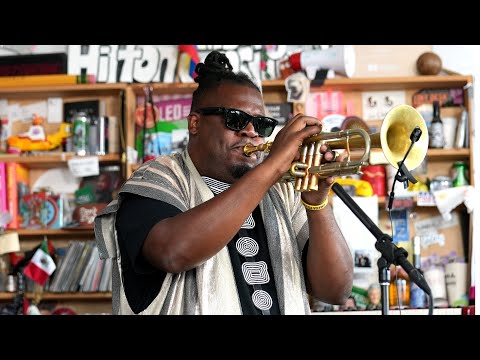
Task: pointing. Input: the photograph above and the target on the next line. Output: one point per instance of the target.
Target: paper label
(84, 166)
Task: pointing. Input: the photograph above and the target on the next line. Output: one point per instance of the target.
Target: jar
(440, 183)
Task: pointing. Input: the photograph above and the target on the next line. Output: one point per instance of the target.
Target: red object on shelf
(468, 310)
(375, 175)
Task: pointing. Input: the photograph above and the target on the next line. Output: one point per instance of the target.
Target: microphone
(403, 175)
(415, 135)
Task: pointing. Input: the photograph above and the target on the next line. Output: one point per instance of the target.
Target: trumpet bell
(394, 139)
(396, 128)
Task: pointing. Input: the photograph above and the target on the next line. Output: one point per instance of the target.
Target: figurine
(374, 297)
(35, 138)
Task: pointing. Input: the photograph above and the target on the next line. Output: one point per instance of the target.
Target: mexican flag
(41, 266)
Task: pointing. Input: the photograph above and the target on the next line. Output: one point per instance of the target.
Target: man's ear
(193, 123)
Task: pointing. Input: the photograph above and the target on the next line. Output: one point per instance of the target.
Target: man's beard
(239, 170)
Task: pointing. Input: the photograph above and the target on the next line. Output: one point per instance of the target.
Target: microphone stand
(391, 254)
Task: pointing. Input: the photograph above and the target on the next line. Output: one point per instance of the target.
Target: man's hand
(287, 144)
(318, 197)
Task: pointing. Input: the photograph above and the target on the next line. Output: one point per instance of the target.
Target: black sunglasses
(237, 120)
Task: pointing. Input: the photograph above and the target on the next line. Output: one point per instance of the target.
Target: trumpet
(393, 139)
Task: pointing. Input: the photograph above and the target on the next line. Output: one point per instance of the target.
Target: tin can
(375, 175)
(81, 130)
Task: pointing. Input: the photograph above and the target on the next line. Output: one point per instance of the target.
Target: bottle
(459, 175)
(401, 285)
(435, 131)
(418, 298)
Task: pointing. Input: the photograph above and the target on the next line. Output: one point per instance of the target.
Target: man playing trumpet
(213, 231)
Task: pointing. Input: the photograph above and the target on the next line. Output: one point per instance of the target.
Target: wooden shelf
(383, 83)
(448, 154)
(63, 296)
(53, 232)
(54, 159)
(167, 88)
(397, 83)
(54, 90)
(176, 88)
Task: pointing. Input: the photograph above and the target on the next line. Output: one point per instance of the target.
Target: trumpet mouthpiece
(249, 149)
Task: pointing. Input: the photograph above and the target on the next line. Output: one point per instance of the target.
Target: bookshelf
(111, 97)
(120, 101)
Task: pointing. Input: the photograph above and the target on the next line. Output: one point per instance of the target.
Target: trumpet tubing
(393, 139)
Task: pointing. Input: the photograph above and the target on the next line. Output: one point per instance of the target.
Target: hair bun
(216, 64)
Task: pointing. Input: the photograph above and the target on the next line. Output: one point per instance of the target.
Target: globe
(429, 63)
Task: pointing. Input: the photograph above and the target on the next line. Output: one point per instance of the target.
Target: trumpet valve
(317, 159)
(296, 169)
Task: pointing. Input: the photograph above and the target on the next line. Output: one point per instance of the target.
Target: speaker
(339, 58)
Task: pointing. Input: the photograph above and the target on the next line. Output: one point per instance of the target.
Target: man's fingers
(331, 156)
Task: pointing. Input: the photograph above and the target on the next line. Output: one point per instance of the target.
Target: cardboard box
(387, 60)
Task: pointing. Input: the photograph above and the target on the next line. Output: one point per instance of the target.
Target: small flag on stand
(41, 266)
(188, 57)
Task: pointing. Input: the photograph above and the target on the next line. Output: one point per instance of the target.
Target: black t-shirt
(253, 274)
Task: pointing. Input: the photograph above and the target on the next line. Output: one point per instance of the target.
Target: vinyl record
(59, 179)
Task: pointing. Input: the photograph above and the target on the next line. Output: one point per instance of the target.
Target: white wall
(465, 59)
(46, 49)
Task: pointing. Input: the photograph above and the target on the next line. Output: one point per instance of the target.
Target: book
(171, 113)
(90, 270)
(3, 188)
(446, 97)
(30, 210)
(105, 185)
(63, 257)
(17, 187)
(279, 111)
(79, 267)
(38, 80)
(87, 275)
